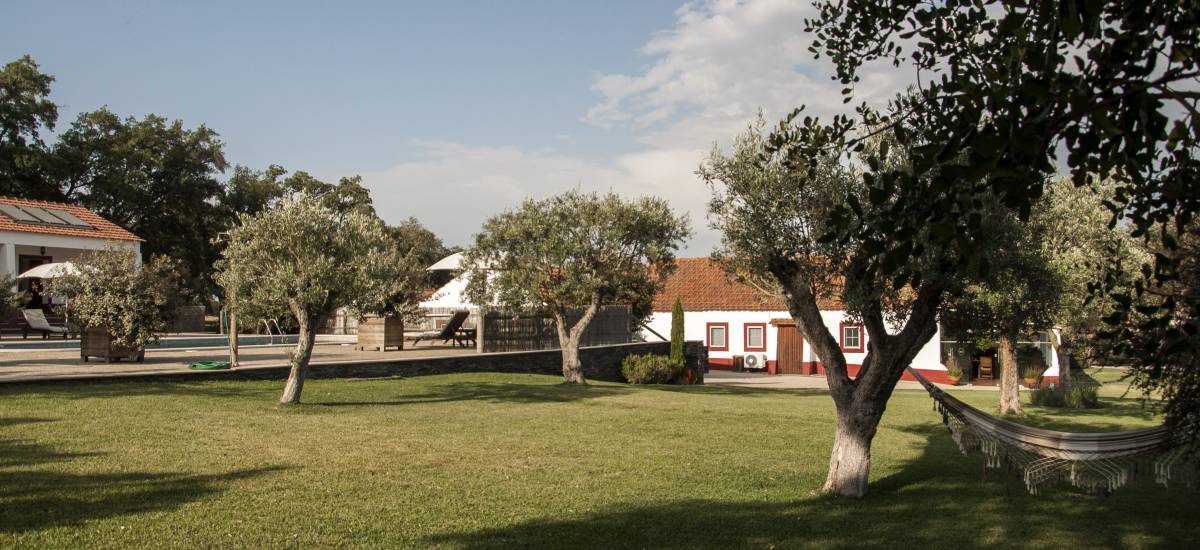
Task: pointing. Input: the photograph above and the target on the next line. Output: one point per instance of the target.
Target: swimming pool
(173, 342)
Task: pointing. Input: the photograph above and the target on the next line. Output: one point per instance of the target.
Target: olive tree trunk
(1010, 376)
(850, 460)
(298, 359)
(860, 401)
(568, 340)
(1062, 350)
(233, 340)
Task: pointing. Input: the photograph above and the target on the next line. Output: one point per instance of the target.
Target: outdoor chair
(985, 369)
(448, 333)
(38, 323)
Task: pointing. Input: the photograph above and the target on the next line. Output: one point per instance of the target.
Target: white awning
(452, 262)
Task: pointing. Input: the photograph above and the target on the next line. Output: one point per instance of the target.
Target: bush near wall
(650, 369)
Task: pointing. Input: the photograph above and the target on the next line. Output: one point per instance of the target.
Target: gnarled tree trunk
(860, 401)
(1010, 376)
(850, 461)
(298, 359)
(568, 340)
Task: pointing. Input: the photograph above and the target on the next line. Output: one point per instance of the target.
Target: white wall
(695, 327)
(696, 322)
(59, 247)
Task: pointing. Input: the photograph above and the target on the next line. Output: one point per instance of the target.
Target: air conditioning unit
(756, 361)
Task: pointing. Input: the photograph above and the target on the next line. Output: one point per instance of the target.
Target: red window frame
(842, 337)
(708, 336)
(746, 336)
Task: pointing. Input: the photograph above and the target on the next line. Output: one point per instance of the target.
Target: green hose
(209, 365)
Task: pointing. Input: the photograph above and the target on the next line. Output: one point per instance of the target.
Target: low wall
(599, 363)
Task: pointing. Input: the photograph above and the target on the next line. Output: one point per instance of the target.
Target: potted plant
(120, 305)
(380, 332)
(1031, 376)
(381, 324)
(953, 375)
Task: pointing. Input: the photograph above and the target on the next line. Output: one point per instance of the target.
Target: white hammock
(1095, 462)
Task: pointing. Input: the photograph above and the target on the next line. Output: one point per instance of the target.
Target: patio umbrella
(50, 271)
(452, 262)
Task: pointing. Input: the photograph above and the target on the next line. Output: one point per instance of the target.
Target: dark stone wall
(599, 363)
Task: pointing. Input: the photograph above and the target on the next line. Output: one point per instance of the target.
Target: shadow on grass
(516, 392)
(495, 392)
(35, 499)
(935, 501)
(87, 389)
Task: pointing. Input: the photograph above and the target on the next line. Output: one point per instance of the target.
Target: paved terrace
(26, 365)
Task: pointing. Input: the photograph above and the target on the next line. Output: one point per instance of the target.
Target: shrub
(111, 291)
(1081, 396)
(650, 369)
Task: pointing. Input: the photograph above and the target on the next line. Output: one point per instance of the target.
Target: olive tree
(306, 259)
(1021, 291)
(574, 251)
(775, 218)
(1011, 91)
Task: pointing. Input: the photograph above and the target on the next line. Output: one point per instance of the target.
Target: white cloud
(708, 76)
(453, 188)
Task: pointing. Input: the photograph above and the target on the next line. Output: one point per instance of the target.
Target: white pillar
(9, 258)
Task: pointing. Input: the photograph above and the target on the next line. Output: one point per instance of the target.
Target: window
(756, 336)
(852, 337)
(718, 336)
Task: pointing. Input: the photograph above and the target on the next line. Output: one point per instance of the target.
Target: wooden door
(790, 357)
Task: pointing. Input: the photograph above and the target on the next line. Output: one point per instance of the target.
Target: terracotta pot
(1031, 382)
(953, 380)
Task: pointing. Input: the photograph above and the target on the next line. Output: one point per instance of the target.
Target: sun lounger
(38, 323)
(448, 332)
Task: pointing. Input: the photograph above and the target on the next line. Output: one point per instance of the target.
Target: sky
(450, 111)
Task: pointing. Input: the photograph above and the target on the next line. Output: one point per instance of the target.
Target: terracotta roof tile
(702, 285)
(101, 228)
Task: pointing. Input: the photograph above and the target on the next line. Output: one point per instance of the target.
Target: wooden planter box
(96, 342)
(380, 333)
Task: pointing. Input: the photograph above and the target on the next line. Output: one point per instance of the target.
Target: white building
(738, 320)
(33, 233)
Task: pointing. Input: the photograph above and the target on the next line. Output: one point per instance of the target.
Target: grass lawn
(502, 461)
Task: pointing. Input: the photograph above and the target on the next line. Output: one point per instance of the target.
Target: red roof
(702, 285)
(100, 227)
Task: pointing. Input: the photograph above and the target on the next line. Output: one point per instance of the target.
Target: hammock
(1094, 462)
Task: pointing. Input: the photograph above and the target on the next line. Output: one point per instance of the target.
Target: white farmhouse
(738, 320)
(33, 233)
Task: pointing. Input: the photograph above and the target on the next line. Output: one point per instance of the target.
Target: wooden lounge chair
(38, 323)
(449, 333)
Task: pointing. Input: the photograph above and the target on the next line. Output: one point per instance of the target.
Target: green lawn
(501, 461)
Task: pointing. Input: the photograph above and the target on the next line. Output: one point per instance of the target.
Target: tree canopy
(1006, 93)
(574, 251)
(152, 176)
(25, 110)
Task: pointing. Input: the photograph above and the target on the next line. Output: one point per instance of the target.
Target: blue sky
(451, 111)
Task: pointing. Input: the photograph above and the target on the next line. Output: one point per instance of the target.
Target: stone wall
(599, 363)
